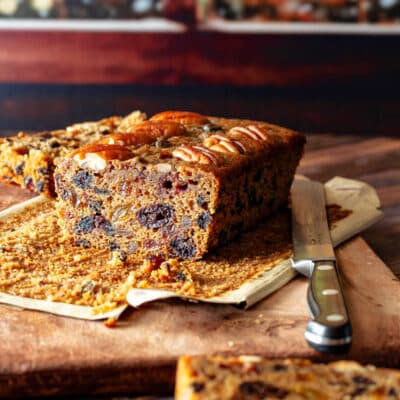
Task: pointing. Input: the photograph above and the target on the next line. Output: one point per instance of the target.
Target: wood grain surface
(42, 354)
(197, 57)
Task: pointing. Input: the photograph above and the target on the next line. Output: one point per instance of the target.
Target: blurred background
(315, 66)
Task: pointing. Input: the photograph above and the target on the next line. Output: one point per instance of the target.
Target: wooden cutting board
(43, 354)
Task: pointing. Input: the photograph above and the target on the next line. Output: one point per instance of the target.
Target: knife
(330, 329)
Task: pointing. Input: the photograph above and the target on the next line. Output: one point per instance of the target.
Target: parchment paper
(352, 195)
(68, 310)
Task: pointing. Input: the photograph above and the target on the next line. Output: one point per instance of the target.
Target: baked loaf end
(27, 160)
(176, 185)
(253, 377)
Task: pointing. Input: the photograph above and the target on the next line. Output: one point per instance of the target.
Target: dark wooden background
(314, 83)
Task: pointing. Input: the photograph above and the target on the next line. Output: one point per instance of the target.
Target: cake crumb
(110, 323)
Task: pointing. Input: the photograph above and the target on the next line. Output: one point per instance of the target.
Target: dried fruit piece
(95, 156)
(152, 263)
(83, 180)
(251, 131)
(156, 215)
(39, 186)
(104, 224)
(262, 390)
(183, 247)
(203, 220)
(29, 184)
(184, 117)
(95, 206)
(19, 169)
(194, 154)
(197, 386)
(223, 144)
(85, 225)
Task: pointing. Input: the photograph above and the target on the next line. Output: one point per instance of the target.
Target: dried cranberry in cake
(154, 262)
(29, 184)
(183, 117)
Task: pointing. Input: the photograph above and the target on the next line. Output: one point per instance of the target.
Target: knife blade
(329, 329)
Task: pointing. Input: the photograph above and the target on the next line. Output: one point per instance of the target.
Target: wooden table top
(373, 159)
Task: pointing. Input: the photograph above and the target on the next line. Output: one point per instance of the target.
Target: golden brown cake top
(182, 137)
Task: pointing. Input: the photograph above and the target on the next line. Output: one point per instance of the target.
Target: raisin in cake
(252, 377)
(176, 185)
(28, 159)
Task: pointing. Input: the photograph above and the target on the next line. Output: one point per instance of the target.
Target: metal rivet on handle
(325, 267)
(329, 292)
(334, 317)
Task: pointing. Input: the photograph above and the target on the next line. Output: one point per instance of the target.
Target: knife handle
(330, 329)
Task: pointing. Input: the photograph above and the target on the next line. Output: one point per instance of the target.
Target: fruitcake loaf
(28, 159)
(252, 377)
(176, 185)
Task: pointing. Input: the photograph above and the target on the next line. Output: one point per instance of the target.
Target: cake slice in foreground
(27, 160)
(252, 377)
(177, 185)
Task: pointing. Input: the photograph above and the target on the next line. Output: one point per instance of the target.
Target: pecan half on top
(252, 131)
(195, 154)
(184, 117)
(95, 156)
(145, 133)
(223, 144)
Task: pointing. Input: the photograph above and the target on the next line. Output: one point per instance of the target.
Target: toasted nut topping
(194, 154)
(145, 133)
(251, 131)
(223, 144)
(105, 125)
(130, 120)
(184, 117)
(95, 156)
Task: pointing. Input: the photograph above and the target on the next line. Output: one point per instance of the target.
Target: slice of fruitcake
(28, 159)
(176, 185)
(253, 378)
